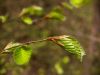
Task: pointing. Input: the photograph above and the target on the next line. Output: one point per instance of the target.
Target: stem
(22, 44)
(30, 42)
(26, 43)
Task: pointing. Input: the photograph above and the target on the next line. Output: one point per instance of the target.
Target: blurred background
(48, 58)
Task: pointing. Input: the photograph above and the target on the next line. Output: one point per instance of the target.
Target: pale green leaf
(79, 3)
(27, 20)
(71, 45)
(56, 14)
(32, 10)
(59, 68)
(3, 18)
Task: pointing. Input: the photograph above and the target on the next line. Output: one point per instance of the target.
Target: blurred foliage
(56, 14)
(27, 20)
(67, 6)
(22, 52)
(3, 18)
(48, 58)
(60, 63)
(32, 10)
(79, 3)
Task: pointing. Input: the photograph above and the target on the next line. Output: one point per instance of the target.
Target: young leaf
(59, 68)
(76, 3)
(70, 44)
(79, 3)
(56, 14)
(27, 20)
(3, 18)
(32, 10)
(22, 55)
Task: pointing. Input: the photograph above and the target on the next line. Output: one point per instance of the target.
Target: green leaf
(27, 20)
(3, 18)
(79, 3)
(76, 3)
(37, 10)
(56, 15)
(59, 68)
(32, 10)
(22, 55)
(71, 45)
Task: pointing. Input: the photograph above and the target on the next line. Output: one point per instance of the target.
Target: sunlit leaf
(22, 55)
(27, 20)
(76, 3)
(79, 3)
(71, 45)
(3, 18)
(37, 10)
(56, 15)
(59, 68)
(32, 10)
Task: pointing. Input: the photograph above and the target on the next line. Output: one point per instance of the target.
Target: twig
(27, 43)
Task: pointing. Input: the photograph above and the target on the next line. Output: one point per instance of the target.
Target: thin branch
(30, 42)
(22, 44)
(26, 43)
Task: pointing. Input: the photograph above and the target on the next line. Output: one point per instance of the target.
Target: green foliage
(71, 45)
(3, 18)
(79, 3)
(27, 20)
(32, 10)
(22, 55)
(59, 65)
(22, 52)
(59, 68)
(56, 14)
(15, 29)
